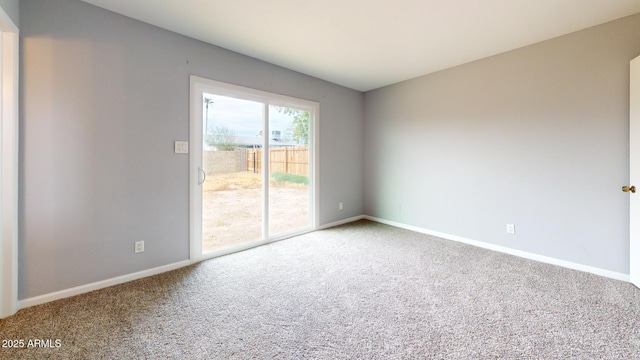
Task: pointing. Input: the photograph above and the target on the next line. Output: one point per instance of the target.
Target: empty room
(319, 179)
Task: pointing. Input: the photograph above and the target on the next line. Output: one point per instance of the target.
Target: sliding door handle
(204, 176)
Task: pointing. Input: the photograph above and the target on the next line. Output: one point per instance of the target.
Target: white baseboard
(342, 222)
(523, 254)
(37, 300)
(41, 299)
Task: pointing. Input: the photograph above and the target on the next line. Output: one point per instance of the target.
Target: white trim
(195, 162)
(342, 222)
(314, 173)
(634, 170)
(158, 270)
(37, 300)
(523, 254)
(9, 166)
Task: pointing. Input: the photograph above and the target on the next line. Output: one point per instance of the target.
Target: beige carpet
(359, 291)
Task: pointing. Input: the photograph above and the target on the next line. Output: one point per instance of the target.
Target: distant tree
(207, 101)
(223, 138)
(299, 130)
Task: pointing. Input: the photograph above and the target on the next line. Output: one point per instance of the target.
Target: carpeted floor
(359, 291)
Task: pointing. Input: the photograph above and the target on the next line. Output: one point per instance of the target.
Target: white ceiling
(366, 44)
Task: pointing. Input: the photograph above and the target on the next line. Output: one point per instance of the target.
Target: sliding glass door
(252, 167)
(231, 195)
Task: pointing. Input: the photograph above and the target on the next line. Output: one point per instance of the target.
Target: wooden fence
(286, 159)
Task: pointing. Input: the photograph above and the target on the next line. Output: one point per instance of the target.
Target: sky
(243, 117)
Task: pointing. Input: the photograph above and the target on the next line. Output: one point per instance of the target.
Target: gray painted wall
(536, 137)
(103, 97)
(12, 8)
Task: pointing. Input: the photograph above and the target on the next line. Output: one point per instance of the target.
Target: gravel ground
(235, 216)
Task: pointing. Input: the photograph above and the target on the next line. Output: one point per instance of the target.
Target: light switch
(181, 147)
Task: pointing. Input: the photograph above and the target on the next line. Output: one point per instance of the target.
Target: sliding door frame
(198, 85)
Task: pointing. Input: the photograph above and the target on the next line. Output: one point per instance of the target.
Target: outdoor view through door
(255, 172)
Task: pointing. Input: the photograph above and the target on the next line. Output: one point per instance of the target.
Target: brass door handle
(627, 189)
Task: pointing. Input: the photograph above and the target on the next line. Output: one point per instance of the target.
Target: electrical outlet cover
(511, 229)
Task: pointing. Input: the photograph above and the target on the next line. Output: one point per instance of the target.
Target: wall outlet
(340, 206)
(511, 229)
(139, 247)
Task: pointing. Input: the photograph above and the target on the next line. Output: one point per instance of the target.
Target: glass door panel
(232, 192)
(289, 195)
